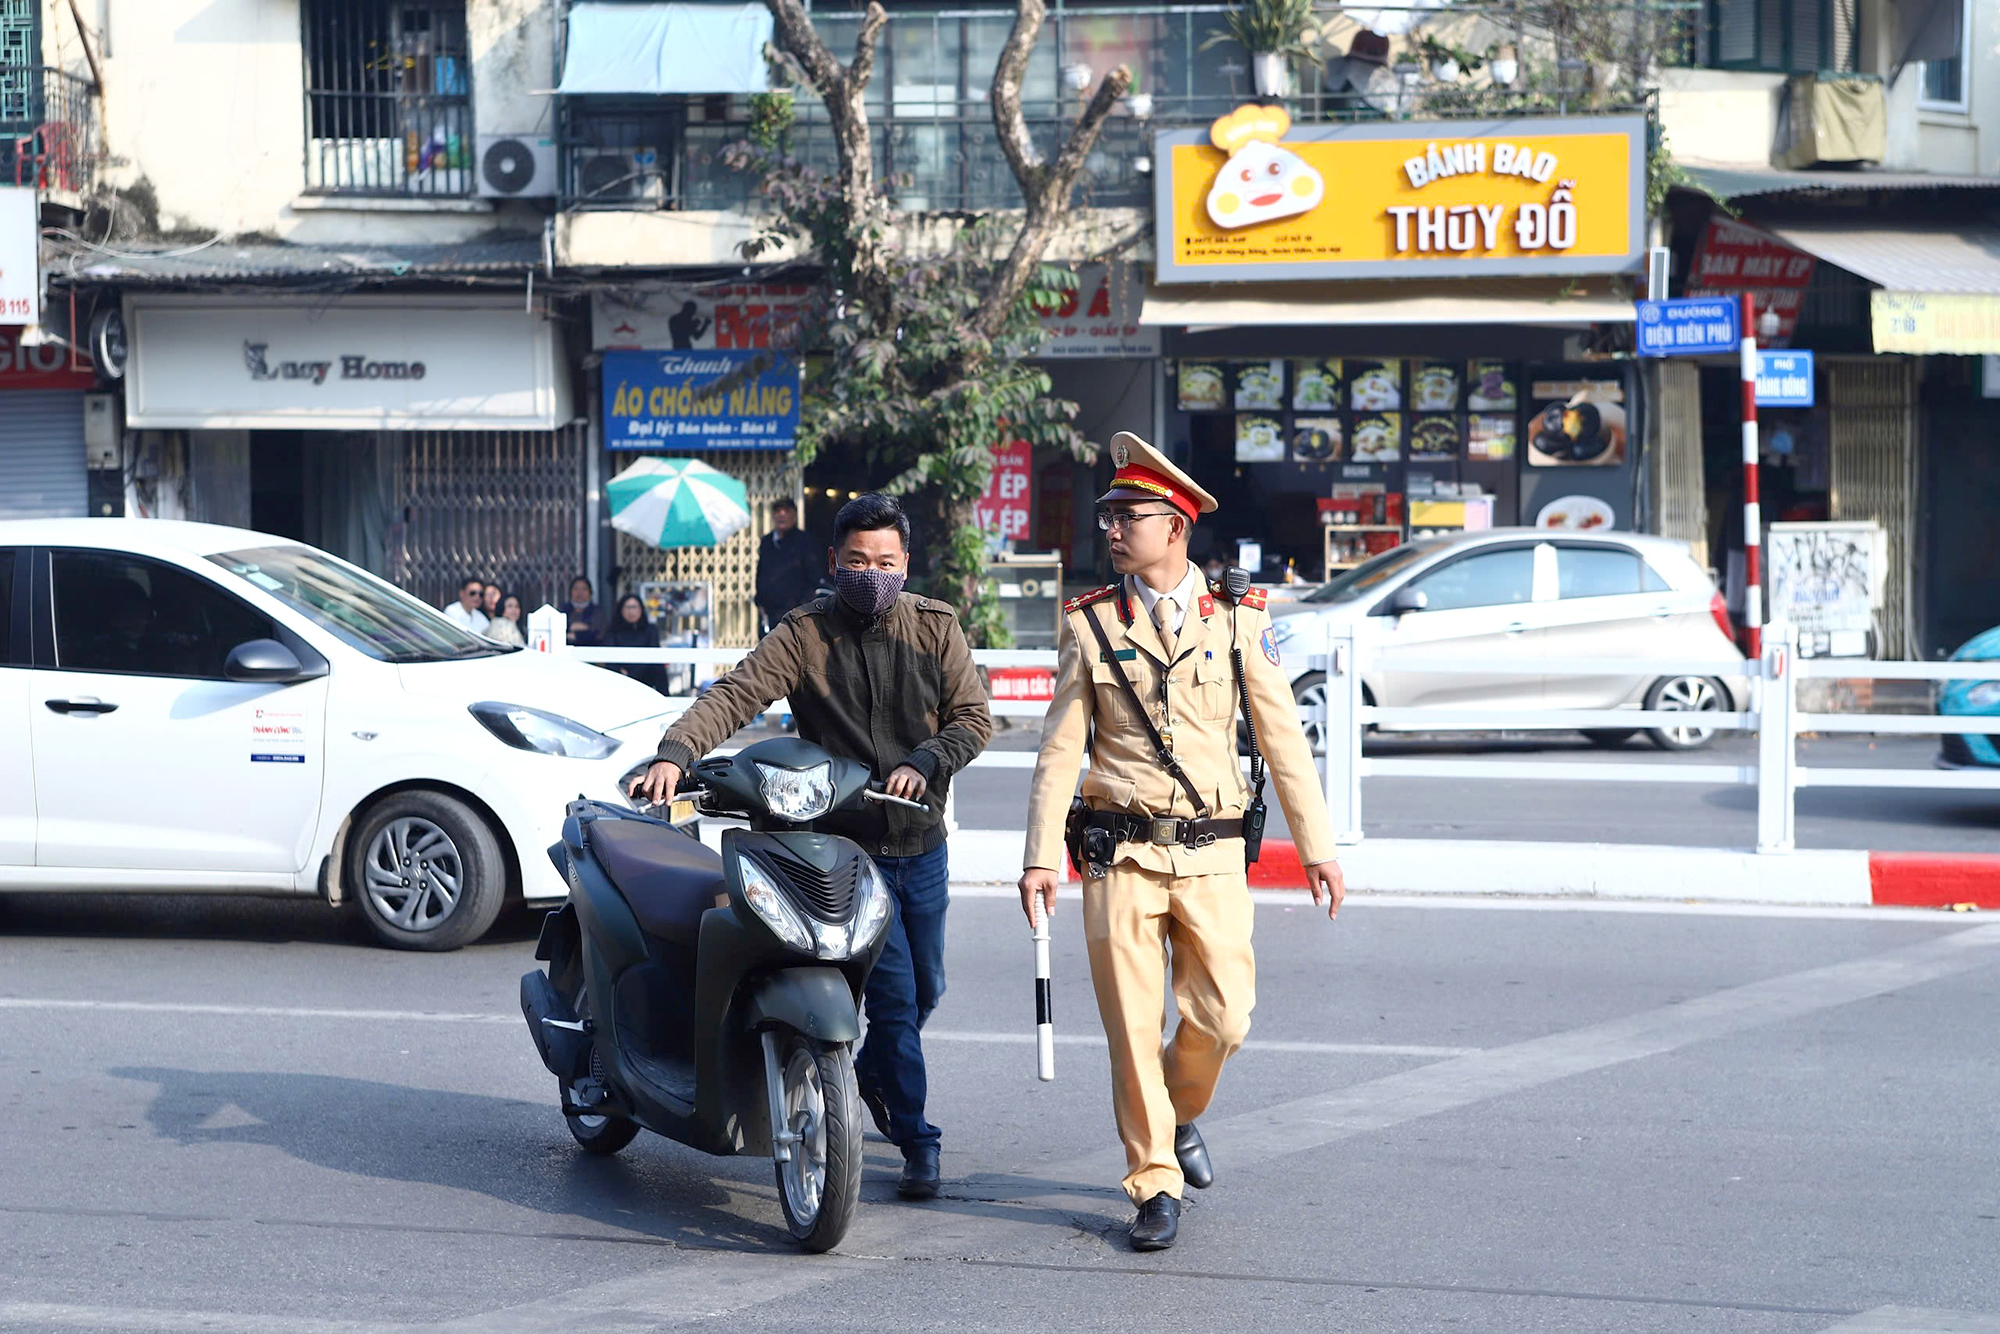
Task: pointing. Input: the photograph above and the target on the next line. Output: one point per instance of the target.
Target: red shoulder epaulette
(1255, 599)
(1083, 600)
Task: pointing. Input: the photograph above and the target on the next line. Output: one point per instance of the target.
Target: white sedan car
(189, 708)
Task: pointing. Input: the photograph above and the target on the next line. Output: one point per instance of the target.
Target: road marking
(448, 1017)
(48, 1315)
(1366, 899)
(1305, 1123)
(1911, 1320)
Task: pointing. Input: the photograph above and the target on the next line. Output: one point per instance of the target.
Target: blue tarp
(645, 48)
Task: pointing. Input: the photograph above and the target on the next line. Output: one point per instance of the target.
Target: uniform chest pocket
(1214, 688)
(1112, 701)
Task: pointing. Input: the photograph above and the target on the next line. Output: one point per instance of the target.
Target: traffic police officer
(1174, 872)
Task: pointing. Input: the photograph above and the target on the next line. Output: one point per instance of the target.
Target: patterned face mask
(869, 593)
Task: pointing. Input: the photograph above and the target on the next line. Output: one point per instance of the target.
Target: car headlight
(769, 904)
(1985, 695)
(871, 915)
(547, 733)
(797, 794)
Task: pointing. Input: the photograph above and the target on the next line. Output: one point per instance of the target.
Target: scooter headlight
(1984, 695)
(871, 915)
(797, 795)
(769, 904)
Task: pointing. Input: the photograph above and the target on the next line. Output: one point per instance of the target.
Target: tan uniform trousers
(1129, 919)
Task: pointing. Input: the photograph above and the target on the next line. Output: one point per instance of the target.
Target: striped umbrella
(678, 503)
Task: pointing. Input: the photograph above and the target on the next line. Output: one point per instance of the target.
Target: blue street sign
(1691, 326)
(1784, 379)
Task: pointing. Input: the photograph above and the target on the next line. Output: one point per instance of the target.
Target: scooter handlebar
(874, 792)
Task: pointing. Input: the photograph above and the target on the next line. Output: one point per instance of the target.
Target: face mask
(868, 593)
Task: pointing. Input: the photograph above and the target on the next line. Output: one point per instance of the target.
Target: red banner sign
(44, 367)
(1733, 257)
(1003, 508)
(1029, 683)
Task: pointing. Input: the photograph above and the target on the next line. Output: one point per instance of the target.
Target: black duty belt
(1164, 831)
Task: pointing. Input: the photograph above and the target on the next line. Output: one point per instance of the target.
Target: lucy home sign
(1785, 380)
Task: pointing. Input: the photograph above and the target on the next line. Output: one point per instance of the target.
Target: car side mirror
(1408, 600)
(264, 660)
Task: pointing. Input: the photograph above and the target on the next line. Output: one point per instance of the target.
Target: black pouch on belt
(1073, 832)
(1253, 830)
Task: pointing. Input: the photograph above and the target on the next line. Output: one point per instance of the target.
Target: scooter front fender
(815, 1001)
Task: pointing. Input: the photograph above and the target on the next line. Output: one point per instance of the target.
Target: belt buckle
(1165, 831)
(1201, 840)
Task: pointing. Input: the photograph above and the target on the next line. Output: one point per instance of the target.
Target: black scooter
(716, 999)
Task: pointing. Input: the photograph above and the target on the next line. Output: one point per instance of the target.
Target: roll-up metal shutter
(41, 455)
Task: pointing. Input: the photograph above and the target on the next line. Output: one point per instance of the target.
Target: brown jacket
(900, 691)
(1124, 775)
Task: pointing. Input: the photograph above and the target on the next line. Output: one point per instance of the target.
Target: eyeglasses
(1110, 519)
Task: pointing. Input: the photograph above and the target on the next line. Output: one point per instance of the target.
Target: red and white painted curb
(1815, 877)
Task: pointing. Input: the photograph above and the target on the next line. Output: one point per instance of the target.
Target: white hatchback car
(1510, 596)
(189, 708)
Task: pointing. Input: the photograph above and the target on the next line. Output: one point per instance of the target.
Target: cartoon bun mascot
(1260, 181)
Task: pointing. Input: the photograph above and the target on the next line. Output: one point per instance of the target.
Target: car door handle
(1518, 627)
(81, 706)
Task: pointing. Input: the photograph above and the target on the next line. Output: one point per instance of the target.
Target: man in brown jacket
(1174, 872)
(884, 677)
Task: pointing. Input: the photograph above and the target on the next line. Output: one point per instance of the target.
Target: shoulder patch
(1268, 641)
(1083, 600)
(1255, 599)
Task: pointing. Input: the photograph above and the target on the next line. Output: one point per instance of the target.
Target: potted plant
(1274, 33)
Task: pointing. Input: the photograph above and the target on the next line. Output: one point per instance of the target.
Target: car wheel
(1611, 738)
(427, 872)
(1309, 692)
(1684, 694)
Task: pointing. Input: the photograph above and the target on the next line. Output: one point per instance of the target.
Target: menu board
(1259, 439)
(1260, 385)
(1317, 439)
(1577, 424)
(1378, 437)
(1316, 386)
(1492, 387)
(1374, 386)
(1200, 386)
(1434, 436)
(1490, 436)
(1434, 386)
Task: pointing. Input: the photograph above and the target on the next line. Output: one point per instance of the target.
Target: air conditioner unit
(616, 176)
(516, 166)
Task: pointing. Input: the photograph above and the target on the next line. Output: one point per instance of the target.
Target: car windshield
(1370, 575)
(377, 618)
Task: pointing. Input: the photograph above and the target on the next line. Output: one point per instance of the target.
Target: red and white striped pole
(1753, 521)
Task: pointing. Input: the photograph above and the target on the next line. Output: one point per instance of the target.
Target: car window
(120, 613)
(7, 606)
(1366, 577)
(1602, 572)
(1490, 579)
(367, 614)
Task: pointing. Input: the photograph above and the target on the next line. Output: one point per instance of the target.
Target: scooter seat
(669, 879)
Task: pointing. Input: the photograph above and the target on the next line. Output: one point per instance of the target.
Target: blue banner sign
(1784, 379)
(668, 400)
(1691, 326)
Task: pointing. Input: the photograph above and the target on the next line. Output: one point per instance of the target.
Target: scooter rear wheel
(821, 1184)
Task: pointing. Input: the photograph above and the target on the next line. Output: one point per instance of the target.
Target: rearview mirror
(1408, 600)
(264, 660)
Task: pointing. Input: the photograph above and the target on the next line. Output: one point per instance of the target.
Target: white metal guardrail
(1774, 715)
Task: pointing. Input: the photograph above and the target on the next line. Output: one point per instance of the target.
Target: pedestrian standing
(884, 677)
(506, 628)
(631, 627)
(788, 565)
(465, 611)
(585, 617)
(489, 601)
(1153, 665)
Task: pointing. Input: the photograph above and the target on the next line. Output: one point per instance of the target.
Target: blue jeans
(905, 987)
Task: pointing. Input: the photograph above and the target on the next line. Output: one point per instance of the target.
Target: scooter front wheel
(602, 1135)
(821, 1183)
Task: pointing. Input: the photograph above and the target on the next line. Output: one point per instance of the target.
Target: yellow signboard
(1257, 198)
(1964, 324)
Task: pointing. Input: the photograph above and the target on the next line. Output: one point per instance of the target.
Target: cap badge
(1121, 454)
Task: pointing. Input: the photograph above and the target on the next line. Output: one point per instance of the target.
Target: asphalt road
(1669, 814)
(238, 1116)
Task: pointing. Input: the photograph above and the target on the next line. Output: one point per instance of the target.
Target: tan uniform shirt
(1200, 707)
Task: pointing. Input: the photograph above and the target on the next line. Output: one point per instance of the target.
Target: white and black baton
(1045, 1017)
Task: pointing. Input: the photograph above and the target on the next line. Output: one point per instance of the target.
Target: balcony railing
(667, 153)
(49, 139)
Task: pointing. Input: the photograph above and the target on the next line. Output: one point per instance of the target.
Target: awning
(1543, 301)
(1741, 180)
(1960, 259)
(645, 49)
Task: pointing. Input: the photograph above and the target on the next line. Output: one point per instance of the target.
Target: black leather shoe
(1193, 1155)
(1159, 1222)
(878, 1110)
(920, 1173)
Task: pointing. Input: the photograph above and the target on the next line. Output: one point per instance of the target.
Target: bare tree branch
(1048, 200)
(797, 38)
(843, 89)
(1016, 145)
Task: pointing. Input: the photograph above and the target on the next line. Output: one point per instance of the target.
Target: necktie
(1163, 617)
